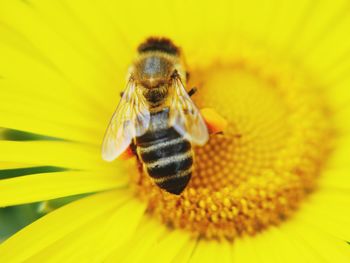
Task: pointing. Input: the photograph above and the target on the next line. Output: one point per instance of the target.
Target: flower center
(257, 172)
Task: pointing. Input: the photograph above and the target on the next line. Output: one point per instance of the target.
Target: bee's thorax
(154, 69)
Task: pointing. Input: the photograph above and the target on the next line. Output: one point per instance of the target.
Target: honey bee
(158, 117)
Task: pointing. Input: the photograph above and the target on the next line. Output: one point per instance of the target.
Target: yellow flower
(274, 187)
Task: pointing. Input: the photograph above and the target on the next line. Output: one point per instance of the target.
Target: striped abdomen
(166, 155)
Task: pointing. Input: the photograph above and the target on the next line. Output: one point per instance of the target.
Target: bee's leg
(216, 123)
(138, 161)
(133, 148)
(192, 91)
(121, 94)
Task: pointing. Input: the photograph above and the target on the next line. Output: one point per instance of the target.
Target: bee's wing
(185, 117)
(130, 119)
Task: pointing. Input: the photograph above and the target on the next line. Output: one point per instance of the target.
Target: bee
(157, 116)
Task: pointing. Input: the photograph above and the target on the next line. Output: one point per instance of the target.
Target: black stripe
(165, 151)
(171, 168)
(175, 185)
(150, 138)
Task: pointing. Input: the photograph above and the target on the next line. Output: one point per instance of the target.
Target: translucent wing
(185, 117)
(130, 119)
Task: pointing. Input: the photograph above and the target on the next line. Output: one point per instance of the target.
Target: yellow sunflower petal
(331, 201)
(28, 123)
(325, 210)
(331, 36)
(44, 80)
(212, 251)
(13, 165)
(58, 224)
(38, 187)
(335, 179)
(151, 25)
(74, 245)
(342, 116)
(242, 251)
(87, 75)
(267, 247)
(49, 114)
(340, 158)
(321, 20)
(55, 153)
(52, 108)
(166, 248)
(96, 238)
(339, 96)
(185, 253)
(61, 19)
(99, 27)
(282, 248)
(275, 28)
(121, 226)
(323, 245)
(146, 234)
(151, 242)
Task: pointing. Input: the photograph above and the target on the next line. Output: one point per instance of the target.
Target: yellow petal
(267, 247)
(212, 251)
(51, 106)
(242, 251)
(151, 241)
(150, 26)
(122, 225)
(49, 115)
(321, 20)
(44, 80)
(27, 123)
(56, 153)
(74, 245)
(133, 250)
(80, 69)
(58, 224)
(322, 245)
(60, 18)
(335, 179)
(167, 247)
(282, 248)
(13, 165)
(325, 210)
(27, 170)
(275, 28)
(185, 253)
(38, 187)
(97, 26)
(331, 36)
(332, 224)
(94, 240)
(340, 157)
(342, 112)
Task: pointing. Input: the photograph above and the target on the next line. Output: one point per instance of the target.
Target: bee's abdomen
(168, 159)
